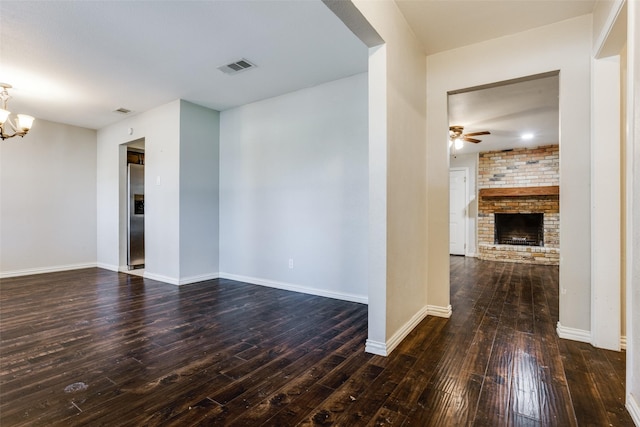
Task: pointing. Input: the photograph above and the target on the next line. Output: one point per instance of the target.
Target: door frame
(123, 199)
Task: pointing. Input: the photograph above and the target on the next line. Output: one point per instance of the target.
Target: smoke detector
(237, 66)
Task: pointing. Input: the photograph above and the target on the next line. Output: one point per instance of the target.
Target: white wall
(181, 170)
(161, 129)
(616, 29)
(199, 176)
(293, 185)
(470, 161)
(565, 46)
(48, 200)
(397, 72)
(608, 174)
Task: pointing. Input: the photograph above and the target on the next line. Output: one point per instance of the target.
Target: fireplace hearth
(521, 229)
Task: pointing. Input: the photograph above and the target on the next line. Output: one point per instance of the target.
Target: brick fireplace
(519, 186)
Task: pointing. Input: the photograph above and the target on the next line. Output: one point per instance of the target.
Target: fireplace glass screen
(519, 229)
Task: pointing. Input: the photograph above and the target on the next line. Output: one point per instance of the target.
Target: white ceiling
(448, 24)
(76, 61)
(508, 111)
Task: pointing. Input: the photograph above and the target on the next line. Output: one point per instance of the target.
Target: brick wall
(536, 167)
(521, 167)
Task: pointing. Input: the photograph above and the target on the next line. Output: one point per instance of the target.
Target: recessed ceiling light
(526, 136)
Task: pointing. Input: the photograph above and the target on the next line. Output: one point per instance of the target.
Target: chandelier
(20, 126)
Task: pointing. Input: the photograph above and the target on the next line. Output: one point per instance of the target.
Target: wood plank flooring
(94, 347)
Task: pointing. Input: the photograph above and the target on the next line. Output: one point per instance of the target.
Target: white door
(457, 211)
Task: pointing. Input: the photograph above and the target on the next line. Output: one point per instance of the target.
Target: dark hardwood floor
(93, 347)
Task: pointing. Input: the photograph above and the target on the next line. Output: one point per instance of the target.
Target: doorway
(508, 138)
(135, 208)
(132, 207)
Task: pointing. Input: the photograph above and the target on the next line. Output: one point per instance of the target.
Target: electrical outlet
(291, 263)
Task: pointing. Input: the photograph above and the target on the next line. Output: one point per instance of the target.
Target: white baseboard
(384, 349)
(181, 281)
(200, 278)
(438, 311)
(161, 278)
(471, 254)
(573, 334)
(42, 270)
(402, 333)
(296, 288)
(109, 267)
(376, 347)
(634, 408)
(582, 335)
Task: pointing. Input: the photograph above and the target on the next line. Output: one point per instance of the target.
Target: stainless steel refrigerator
(135, 241)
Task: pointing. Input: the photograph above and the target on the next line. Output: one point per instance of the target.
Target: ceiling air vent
(122, 111)
(236, 67)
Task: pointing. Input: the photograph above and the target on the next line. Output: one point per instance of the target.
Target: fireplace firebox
(523, 229)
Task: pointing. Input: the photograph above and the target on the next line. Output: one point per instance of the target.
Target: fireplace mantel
(551, 190)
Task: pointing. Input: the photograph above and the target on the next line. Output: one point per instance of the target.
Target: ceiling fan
(456, 133)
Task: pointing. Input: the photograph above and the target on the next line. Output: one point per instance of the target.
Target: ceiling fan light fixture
(527, 136)
(456, 133)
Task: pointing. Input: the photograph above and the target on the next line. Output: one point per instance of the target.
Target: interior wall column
(605, 203)
(633, 210)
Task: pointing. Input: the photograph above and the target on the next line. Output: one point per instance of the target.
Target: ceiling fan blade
(475, 141)
(485, 132)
